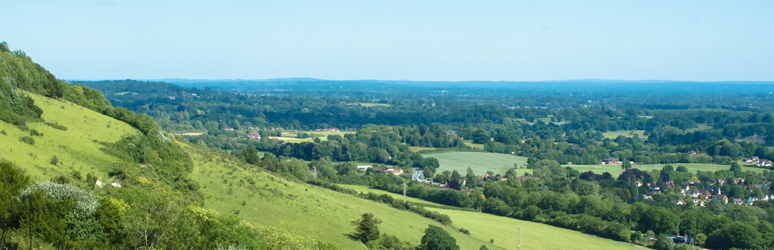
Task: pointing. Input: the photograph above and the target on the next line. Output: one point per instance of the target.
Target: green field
(126, 93)
(616, 170)
(300, 208)
(533, 235)
(470, 143)
(627, 133)
(75, 148)
(480, 162)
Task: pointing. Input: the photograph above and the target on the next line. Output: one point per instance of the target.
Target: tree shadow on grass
(353, 237)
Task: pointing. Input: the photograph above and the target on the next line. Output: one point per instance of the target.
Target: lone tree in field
(366, 227)
(438, 239)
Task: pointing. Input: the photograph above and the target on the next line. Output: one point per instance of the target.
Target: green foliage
(436, 238)
(79, 217)
(662, 243)
(54, 160)
(367, 228)
(738, 235)
(28, 140)
(12, 180)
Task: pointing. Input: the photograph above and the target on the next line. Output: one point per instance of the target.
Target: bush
(56, 126)
(28, 140)
(34, 132)
(54, 160)
(81, 223)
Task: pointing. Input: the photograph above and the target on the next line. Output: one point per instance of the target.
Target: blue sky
(408, 40)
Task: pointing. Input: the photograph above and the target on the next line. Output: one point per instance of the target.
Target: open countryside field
(616, 170)
(75, 148)
(301, 208)
(627, 133)
(533, 235)
(480, 162)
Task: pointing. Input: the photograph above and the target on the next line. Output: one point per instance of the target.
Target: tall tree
(436, 238)
(367, 227)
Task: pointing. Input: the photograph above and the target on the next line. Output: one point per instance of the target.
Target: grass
(126, 93)
(626, 133)
(616, 170)
(75, 148)
(479, 162)
(699, 127)
(473, 145)
(533, 235)
(301, 208)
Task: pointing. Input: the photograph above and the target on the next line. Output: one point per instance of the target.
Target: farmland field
(533, 235)
(300, 208)
(478, 161)
(626, 133)
(616, 170)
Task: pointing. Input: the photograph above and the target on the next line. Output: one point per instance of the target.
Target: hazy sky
(412, 40)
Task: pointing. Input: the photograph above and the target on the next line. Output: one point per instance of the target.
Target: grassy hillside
(298, 207)
(479, 162)
(77, 149)
(533, 235)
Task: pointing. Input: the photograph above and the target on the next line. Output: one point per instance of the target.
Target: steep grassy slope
(301, 208)
(77, 149)
(533, 235)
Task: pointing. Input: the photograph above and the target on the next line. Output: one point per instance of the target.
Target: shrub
(28, 140)
(34, 132)
(54, 160)
(56, 126)
(81, 223)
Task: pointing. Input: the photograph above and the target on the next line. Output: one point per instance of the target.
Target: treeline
(613, 207)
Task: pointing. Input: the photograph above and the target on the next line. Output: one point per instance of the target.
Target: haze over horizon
(416, 41)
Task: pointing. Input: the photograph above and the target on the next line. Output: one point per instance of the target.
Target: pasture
(76, 149)
(626, 133)
(300, 208)
(616, 170)
(533, 235)
(479, 162)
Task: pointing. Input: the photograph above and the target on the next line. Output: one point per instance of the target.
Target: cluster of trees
(67, 215)
(435, 238)
(612, 208)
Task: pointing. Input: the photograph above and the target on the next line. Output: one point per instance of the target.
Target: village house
(753, 159)
(697, 193)
(363, 168)
(679, 202)
(611, 161)
(691, 152)
(228, 128)
(698, 202)
(327, 130)
(254, 136)
(171, 97)
(738, 201)
(721, 197)
(764, 163)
